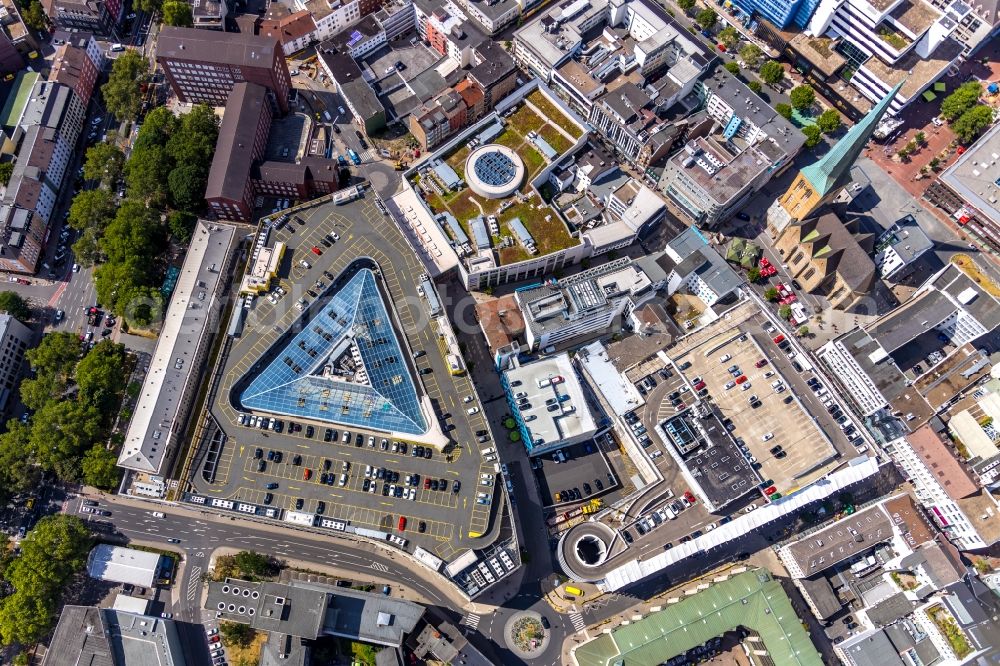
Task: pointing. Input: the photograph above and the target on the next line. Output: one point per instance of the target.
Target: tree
(100, 468)
(123, 91)
(751, 55)
(753, 274)
(813, 135)
(785, 311)
(253, 565)
(729, 36)
(18, 472)
(187, 186)
(920, 138)
(964, 98)
(771, 294)
(34, 17)
(755, 86)
(100, 375)
(732, 68)
(86, 249)
(972, 122)
(135, 232)
(60, 432)
(148, 6)
(236, 634)
(177, 13)
(146, 173)
(193, 140)
(706, 18)
(828, 121)
(181, 225)
(6, 171)
(686, 5)
(772, 73)
(104, 163)
(802, 97)
(803, 331)
(13, 304)
(92, 209)
(55, 355)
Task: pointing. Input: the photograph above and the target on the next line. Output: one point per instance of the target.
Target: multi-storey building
(696, 268)
(202, 66)
(975, 28)
(16, 40)
(492, 16)
(904, 45)
(242, 140)
(101, 17)
(741, 145)
(294, 30)
(310, 176)
(332, 16)
(209, 14)
(14, 340)
(493, 72)
(396, 18)
(784, 14)
(77, 64)
(47, 128)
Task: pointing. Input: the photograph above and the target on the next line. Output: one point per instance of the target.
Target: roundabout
(525, 635)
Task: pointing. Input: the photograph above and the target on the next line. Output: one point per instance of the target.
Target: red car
(427, 484)
(307, 474)
(741, 379)
(316, 250)
(690, 497)
(770, 490)
(699, 386)
(778, 339)
(761, 363)
(402, 523)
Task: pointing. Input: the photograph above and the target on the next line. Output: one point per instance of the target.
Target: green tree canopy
(177, 13)
(104, 163)
(56, 354)
(772, 73)
(187, 186)
(181, 225)
(60, 433)
(34, 17)
(829, 121)
(706, 18)
(729, 36)
(972, 122)
(771, 294)
(135, 232)
(146, 173)
(193, 140)
(100, 468)
(13, 304)
(755, 86)
(802, 97)
(148, 6)
(964, 98)
(813, 135)
(6, 171)
(732, 68)
(18, 472)
(86, 249)
(100, 375)
(784, 110)
(122, 93)
(92, 209)
(751, 55)
(686, 5)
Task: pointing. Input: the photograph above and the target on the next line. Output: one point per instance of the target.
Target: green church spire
(833, 169)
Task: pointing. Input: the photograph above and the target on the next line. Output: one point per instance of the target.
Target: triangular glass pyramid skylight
(346, 366)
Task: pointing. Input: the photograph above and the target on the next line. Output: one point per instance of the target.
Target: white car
(730, 385)
(749, 508)
(768, 436)
(76, 268)
(937, 121)
(725, 358)
(472, 410)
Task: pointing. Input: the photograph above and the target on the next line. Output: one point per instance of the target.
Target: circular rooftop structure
(583, 550)
(494, 171)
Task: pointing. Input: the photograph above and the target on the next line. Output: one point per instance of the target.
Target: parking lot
(584, 475)
(315, 416)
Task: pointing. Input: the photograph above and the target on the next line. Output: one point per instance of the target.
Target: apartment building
(309, 177)
(15, 338)
(100, 17)
(693, 266)
(294, 30)
(46, 131)
(738, 148)
(77, 64)
(16, 40)
(203, 66)
(886, 43)
(332, 16)
(242, 140)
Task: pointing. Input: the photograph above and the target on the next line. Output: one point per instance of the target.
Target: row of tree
(51, 554)
(74, 399)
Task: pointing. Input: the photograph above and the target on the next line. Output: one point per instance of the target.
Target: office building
(784, 14)
(693, 266)
(111, 637)
(294, 30)
(309, 177)
(242, 140)
(14, 340)
(899, 247)
(202, 66)
(736, 149)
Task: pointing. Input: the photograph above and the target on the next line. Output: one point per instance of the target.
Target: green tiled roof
(753, 600)
(18, 98)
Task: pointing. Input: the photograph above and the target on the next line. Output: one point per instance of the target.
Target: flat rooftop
(845, 539)
(620, 393)
(108, 637)
(718, 466)
(915, 72)
(974, 180)
(915, 15)
(571, 416)
(193, 308)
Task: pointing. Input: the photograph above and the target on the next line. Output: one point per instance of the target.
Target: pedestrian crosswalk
(378, 566)
(471, 620)
(578, 622)
(194, 583)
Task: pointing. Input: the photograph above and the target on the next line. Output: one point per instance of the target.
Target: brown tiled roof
(951, 474)
(500, 330)
(470, 92)
(288, 28)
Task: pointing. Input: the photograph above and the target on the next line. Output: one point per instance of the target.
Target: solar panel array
(382, 396)
(495, 168)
